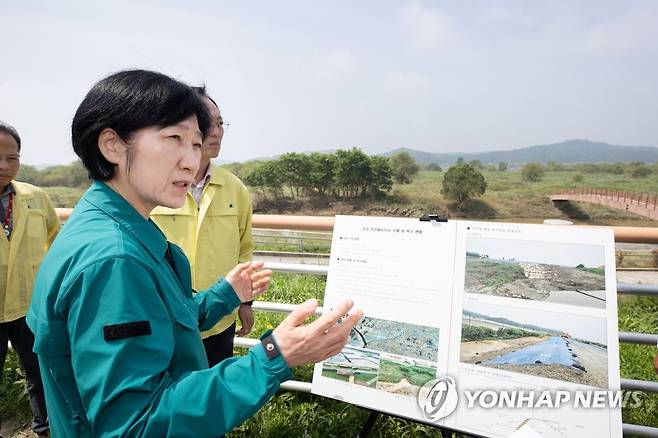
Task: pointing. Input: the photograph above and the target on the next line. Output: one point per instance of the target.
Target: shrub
(462, 182)
(532, 172)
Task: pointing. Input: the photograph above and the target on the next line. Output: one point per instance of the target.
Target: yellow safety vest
(35, 225)
(214, 234)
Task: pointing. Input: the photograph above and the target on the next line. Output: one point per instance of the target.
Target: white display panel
(495, 307)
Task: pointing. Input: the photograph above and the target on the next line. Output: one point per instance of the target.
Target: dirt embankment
(478, 351)
(558, 372)
(403, 387)
(595, 362)
(325, 207)
(553, 278)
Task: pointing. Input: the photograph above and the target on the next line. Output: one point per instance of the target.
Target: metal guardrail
(326, 223)
(626, 337)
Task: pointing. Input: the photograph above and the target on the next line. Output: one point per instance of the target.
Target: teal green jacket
(117, 334)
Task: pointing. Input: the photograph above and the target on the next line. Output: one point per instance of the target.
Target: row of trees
(65, 175)
(533, 172)
(343, 174)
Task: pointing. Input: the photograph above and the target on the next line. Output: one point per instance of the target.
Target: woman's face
(159, 166)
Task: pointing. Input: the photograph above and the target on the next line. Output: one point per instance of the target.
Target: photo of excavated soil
(545, 344)
(541, 271)
(403, 377)
(399, 338)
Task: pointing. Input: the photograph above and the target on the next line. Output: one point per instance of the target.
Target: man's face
(213, 142)
(9, 159)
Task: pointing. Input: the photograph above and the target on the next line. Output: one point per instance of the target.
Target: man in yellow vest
(29, 225)
(213, 227)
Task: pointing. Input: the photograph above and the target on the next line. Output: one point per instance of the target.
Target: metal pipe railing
(638, 430)
(637, 289)
(638, 338)
(326, 223)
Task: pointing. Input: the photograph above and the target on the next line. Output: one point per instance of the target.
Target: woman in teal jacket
(115, 321)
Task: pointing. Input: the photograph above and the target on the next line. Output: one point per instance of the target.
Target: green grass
(394, 372)
(639, 314)
(65, 197)
(477, 333)
(493, 274)
(507, 196)
(13, 399)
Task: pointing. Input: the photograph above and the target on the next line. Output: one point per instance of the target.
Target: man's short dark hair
(4, 127)
(202, 92)
(126, 102)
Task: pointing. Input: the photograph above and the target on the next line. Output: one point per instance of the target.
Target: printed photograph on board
(541, 271)
(540, 343)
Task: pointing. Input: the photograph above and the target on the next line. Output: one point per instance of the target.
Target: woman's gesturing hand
(249, 280)
(326, 336)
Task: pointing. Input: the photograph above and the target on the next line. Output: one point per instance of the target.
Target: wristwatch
(269, 345)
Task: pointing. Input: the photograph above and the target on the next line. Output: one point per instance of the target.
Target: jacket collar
(101, 196)
(217, 176)
(20, 191)
(8, 189)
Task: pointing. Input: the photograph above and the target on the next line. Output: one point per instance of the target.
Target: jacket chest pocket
(36, 225)
(36, 236)
(188, 348)
(223, 227)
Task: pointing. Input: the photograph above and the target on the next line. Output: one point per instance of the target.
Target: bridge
(640, 203)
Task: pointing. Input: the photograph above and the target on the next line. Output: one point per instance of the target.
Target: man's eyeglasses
(221, 124)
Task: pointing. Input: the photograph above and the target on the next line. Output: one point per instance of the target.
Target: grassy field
(507, 196)
(394, 372)
(490, 273)
(478, 333)
(64, 196)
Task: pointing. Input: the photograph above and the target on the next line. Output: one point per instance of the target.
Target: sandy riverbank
(477, 351)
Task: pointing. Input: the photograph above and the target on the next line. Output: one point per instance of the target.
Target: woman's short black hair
(4, 127)
(126, 102)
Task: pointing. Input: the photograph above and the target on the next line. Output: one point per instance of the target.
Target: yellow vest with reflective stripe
(214, 234)
(35, 225)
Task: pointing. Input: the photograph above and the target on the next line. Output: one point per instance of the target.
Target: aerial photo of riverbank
(541, 271)
(541, 343)
(412, 340)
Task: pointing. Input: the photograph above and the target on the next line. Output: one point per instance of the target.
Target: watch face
(270, 347)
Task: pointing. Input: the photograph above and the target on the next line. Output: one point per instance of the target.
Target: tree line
(64, 175)
(342, 174)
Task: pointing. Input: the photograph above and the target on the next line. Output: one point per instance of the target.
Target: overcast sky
(438, 76)
(552, 253)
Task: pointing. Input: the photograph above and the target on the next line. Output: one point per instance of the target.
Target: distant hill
(570, 151)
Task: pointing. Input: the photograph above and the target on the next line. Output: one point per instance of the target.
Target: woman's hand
(249, 280)
(325, 337)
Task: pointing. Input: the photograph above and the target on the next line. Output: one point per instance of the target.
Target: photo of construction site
(541, 343)
(403, 376)
(398, 338)
(353, 365)
(542, 271)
